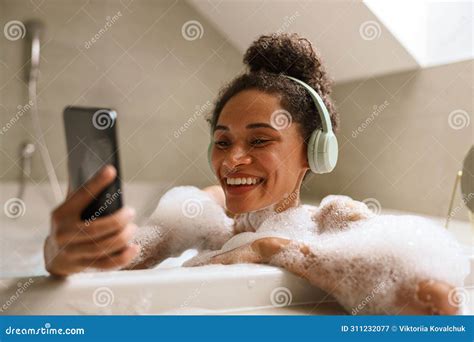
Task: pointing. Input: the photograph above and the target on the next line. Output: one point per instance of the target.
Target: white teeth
(243, 181)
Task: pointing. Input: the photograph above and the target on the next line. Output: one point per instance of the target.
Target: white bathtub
(25, 287)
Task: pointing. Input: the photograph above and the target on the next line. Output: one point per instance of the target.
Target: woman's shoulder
(217, 193)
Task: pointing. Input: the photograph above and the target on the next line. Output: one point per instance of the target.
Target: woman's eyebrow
(249, 126)
(260, 125)
(224, 128)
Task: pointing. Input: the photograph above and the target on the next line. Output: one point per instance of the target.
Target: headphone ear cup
(322, 151)
(313, 152)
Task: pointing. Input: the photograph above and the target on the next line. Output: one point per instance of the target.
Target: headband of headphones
(318, 101)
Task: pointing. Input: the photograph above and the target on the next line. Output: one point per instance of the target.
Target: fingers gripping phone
(91, 144)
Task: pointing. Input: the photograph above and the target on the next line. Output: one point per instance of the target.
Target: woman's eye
(221, 144)
(259, 141)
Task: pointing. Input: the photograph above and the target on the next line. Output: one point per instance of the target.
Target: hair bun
(292, 55)
(288, 54)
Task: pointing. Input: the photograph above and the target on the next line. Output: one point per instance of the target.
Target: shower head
(34, 29)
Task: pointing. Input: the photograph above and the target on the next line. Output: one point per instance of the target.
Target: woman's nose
(237, 156)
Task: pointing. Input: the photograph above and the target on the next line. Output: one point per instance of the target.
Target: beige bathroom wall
(403, 138)
(157, 76)
(405, 155)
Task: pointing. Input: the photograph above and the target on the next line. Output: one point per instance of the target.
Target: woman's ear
(304, 157)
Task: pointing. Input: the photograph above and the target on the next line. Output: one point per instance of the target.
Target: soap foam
(294, 223)
(361, 262)
(149, 238)
(186, 217)
(364, 263)
(368, 263)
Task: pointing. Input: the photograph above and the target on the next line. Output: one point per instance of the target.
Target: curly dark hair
(270, 57)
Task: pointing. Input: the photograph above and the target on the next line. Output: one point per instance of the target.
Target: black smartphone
(91, 140)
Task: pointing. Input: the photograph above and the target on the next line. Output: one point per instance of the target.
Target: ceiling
(354, 42)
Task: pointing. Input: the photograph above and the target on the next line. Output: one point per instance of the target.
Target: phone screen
(92, 143)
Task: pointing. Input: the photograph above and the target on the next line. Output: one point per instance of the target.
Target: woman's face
(256, 140)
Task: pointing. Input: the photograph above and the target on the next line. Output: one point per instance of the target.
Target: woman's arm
(327, 270)
(364, 285)
(153, 243)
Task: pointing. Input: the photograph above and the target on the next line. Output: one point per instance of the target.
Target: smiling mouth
(242, 181)
(239, 185)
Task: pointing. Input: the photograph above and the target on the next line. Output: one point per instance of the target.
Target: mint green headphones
(322, 145)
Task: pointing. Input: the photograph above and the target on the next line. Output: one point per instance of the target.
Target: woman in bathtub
(260, 127)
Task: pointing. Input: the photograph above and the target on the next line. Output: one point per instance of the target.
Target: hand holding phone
(91, 228)
(74, 244)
